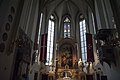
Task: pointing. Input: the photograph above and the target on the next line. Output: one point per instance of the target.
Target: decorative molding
(24, 43)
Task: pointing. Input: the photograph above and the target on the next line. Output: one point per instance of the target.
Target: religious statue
(76, 65)
(80, 65)
(81, 73)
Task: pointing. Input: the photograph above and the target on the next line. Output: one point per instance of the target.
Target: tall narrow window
(50, 40)
(83, 40)
(36, 53)
(41, 16)
(66, 27)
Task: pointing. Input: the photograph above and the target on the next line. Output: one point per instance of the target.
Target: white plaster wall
(25, 15)
(32, 21)
(6, 61)
(113, 72)
(35, 21)
(109, 13)
(97, 16)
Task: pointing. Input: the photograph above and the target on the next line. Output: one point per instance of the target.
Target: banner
(89, 43)
(41, 53)
(43, 49)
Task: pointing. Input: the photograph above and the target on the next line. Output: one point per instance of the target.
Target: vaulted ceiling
(62, 7)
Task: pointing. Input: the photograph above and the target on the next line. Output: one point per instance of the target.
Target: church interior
(59, 39)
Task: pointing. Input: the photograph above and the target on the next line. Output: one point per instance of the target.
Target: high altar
(66, 53)
(67, 59)
(68, 66)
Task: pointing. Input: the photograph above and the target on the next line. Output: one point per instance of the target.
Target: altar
(65, 79)
(67, 58)
(66, 53)
(69, 65)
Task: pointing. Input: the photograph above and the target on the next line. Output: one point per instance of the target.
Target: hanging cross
(89, 46)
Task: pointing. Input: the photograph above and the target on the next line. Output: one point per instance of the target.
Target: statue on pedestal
(80, 65)
(76, 65)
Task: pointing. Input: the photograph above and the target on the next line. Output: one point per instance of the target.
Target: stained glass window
(66, 27)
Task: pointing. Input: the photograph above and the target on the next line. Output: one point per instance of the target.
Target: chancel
(59, 39)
